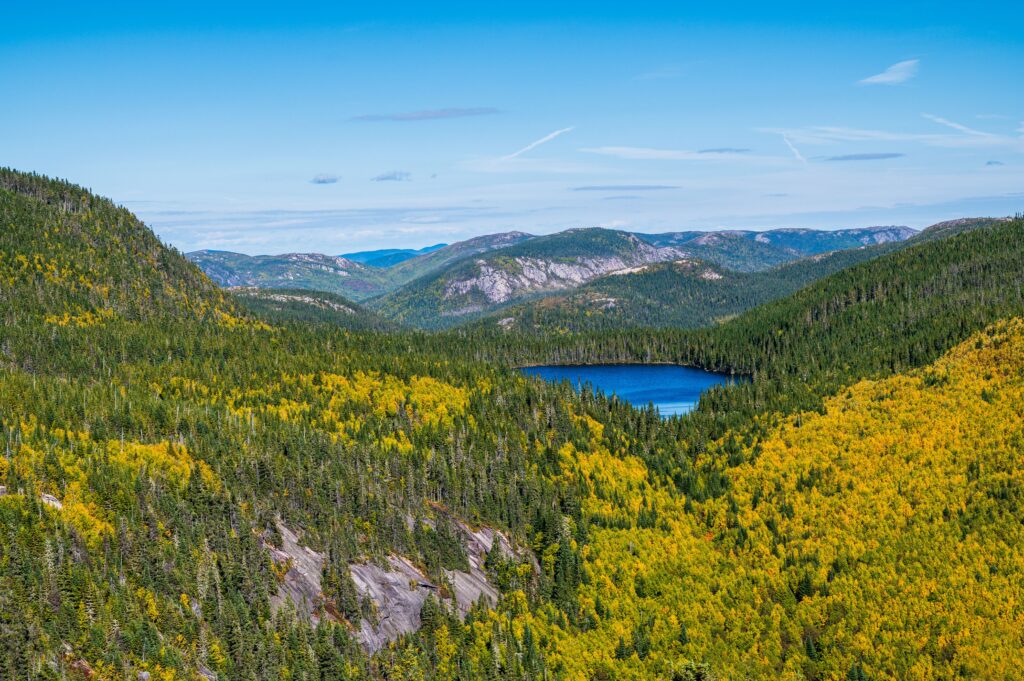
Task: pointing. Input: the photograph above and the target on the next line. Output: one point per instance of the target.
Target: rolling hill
(683, 294)
(691, 293)
(313, 271)
(368, 275)
(188, 491)
(437, 260)
(302, 305)
(385, 273)
(193, 490)
(540, 265)
(76, 258)
(750, 251)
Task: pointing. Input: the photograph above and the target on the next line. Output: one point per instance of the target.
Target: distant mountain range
(352, 276)
(387, 257)
(749, 251)
(658, 279)
(313, 271)
(691, 293)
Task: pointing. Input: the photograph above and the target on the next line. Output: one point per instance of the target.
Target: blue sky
(332, 128)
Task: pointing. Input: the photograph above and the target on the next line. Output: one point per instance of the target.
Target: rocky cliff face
(502, 280)
(396, 587)
(301, 583)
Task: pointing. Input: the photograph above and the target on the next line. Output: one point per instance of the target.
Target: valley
(257, 482)
(519, 341)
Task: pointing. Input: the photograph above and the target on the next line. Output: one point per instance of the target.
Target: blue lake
(673, 389)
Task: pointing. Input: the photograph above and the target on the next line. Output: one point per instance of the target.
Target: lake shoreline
(672, 389)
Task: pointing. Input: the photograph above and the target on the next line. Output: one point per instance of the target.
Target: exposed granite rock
(397, 588)
(398, 593)
(499, 282)
(470, 587)
(301, 584)
(51, 500)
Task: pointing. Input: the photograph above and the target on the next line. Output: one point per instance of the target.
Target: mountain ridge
(361, 281)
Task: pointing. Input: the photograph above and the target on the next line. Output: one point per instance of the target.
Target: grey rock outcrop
(396, 588)
(398, 593)
(502, 282)
(301, 583)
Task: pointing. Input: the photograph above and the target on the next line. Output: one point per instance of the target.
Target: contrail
(533, 145)
(956, 126)
(796, 152)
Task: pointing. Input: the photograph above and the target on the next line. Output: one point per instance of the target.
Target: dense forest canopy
(850, 512)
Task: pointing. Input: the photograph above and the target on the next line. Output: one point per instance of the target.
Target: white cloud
(964, 138)
(899, 72)
(533, 145)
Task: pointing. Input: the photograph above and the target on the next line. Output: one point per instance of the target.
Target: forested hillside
(448, 285)
(313, 271)
(302, 305)
(475, 286)
(879, 538)
(871, 319)
(77, 258)
(682, 294)
(197, 487)
(749, 251)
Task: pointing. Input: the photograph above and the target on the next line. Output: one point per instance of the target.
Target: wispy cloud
(429, 114)
(899, 72)
(865, 157)
(956, 126)
(623, 187)
(533, 145)
(324, 178)
(653, 154)
(792, 148)
(393, 176)
(964, 137)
